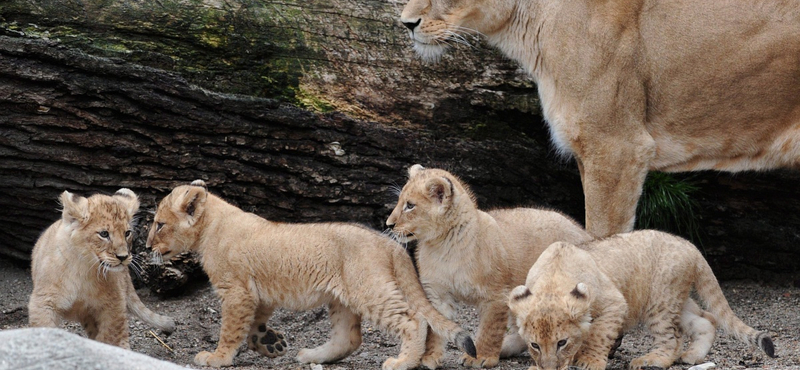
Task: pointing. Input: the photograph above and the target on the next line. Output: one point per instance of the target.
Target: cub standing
(256, 266)
(467, 255)
(79, 267)
(577, 300)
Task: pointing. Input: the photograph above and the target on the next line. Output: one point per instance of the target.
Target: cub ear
(129, 199)
(76, 207)
(200, 183)
(192, 202)
(439, 189)
(581, 291)
(414, 170)
(516, 297)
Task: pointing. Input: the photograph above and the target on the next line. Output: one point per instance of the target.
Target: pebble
(704, 366)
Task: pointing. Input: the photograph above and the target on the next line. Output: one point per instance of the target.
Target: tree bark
(147, 95)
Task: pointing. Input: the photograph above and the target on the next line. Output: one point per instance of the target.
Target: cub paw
(397, 364)
(480, 361)
(206, 358)
(646, 363)
(431, 362)
(267, 341)
(589, 363)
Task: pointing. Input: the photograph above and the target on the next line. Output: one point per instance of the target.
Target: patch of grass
(667, 204)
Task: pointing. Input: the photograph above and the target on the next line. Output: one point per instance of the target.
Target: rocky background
(300, 110)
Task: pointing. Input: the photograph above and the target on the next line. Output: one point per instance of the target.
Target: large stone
(54, 349)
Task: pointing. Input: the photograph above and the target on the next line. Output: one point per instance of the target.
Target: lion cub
(576, 301)
(80, 269)
(256, 266)
(467, 255)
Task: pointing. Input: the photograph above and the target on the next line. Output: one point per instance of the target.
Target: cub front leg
(603, 334)
(491, 329)
(238, 314)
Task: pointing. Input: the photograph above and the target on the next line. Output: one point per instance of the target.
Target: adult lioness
(466, 255)
(576, 300)
(629, 86)
(256, 266)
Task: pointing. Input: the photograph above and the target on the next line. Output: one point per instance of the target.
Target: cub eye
(561, 343)
(409, 206)
(159, 225)
(127, 234)
(534, 346)
(103, 234)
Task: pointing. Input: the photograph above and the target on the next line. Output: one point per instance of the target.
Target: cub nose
(412, 25)
(122, 257)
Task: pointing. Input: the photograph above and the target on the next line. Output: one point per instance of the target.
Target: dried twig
(160, 341)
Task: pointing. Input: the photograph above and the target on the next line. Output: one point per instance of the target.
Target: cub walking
(577, 300)
(256, 265)
(79, 267)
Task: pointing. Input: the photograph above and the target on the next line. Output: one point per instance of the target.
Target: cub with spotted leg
(256, 265)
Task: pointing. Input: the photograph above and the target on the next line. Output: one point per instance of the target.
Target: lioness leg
(698, 325)
(238, 313)
(493, 317)
(612, 178)
(264, 339)
(345, 337)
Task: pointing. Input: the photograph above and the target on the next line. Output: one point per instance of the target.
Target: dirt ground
(197, 313)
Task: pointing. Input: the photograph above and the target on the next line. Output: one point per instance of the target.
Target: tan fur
(256, 266)
(470, 256)
(578, 300)
(629, 86)
(81, 274)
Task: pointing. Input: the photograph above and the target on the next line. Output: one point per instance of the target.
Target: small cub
(80, 269)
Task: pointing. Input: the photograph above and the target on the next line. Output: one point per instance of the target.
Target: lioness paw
(268, 342)
(480, 361)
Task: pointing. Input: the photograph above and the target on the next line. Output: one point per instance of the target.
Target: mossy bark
(97, 95)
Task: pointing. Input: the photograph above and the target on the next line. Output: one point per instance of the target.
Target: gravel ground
(197, 313)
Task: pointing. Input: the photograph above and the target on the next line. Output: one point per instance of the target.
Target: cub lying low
(577, 300)
(256, 266)
(79, 268)
(467, 255)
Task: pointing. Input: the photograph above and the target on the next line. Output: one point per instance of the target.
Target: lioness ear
(439, 188)
(193, 202)
(129, 199)
(76, 207)
(414, 170)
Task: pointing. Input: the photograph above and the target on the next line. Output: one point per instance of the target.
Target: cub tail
(408, 281)
(709, 291)
(135, 305)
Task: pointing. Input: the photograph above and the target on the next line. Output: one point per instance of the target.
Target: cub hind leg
(699, 325)
(345, 337)
(389, 310)
(664, 325)
(513, 344)
(264, 339)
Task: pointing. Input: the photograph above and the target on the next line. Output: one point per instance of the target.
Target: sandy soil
(197, 313)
